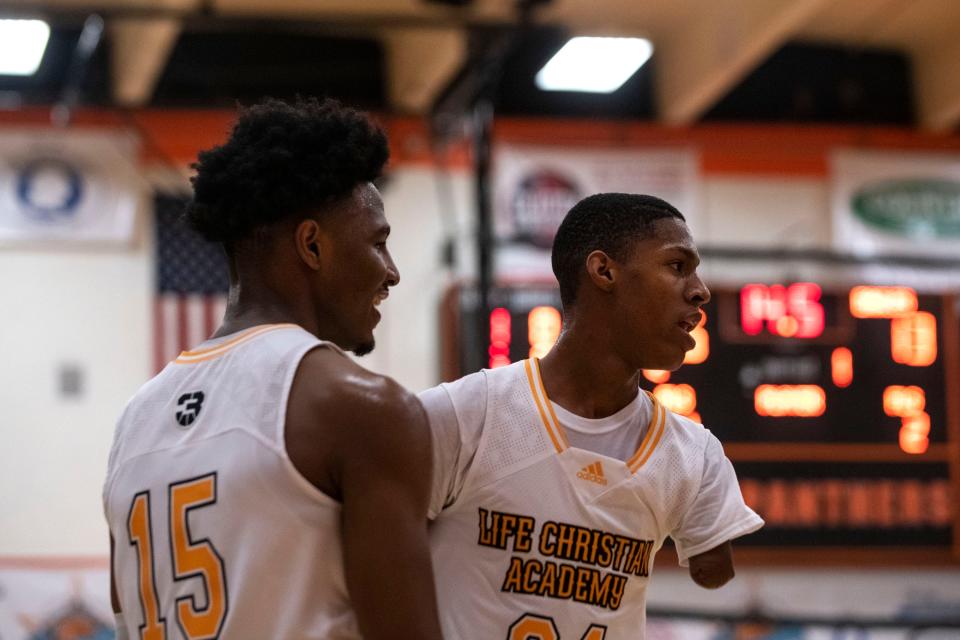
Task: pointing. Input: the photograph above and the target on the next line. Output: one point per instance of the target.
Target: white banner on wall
(67, 187)
(896, 203)
(535, 186)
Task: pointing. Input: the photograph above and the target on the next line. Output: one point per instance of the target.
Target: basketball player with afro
(263, 485)
(557, 481)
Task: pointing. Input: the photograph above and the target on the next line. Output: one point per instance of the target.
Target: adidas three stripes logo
(593, 473)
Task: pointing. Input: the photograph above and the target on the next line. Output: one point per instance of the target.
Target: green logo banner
(913, 208)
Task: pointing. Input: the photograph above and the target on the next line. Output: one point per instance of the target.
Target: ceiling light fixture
(594, 65)
(22, 43)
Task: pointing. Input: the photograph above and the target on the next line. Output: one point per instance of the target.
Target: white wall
(91, 309)
(407, 337)
(88, 309)
(757, 212)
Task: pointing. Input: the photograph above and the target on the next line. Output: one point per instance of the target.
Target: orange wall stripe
(761, 149)
(54, 563)
(832, 452)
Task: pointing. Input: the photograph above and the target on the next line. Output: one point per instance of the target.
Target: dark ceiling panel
(45, 87)
(217, 69)
(216, 63)
(818, 83)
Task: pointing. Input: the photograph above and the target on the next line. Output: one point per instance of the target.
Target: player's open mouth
(690, 323)
(380, 297)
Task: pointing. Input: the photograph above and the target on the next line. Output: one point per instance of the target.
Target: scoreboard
(839, 407)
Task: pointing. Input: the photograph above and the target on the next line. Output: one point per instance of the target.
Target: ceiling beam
(420, 63)
(937, 81)
(138, 54)
(702, 60)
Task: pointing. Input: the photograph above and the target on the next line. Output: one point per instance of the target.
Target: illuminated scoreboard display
(835, 405)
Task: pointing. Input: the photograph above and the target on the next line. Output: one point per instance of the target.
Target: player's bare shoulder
(361, 397)
(339, 412)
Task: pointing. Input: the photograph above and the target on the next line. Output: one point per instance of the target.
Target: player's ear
(307, 241)
(602, 270)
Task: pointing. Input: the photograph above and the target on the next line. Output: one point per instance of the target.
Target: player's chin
(679, 345)
(364, 344)
(364, 348)
(675, 364)
(673, 360)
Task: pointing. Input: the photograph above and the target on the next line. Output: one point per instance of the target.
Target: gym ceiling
(886, 62)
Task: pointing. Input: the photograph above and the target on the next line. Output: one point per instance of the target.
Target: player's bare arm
(714, 568)
(114, 600)
(372, 453)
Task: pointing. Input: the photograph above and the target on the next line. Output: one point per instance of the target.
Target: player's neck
(587, 379)
(251, 306)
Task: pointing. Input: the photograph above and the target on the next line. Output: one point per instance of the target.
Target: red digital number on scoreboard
(500, 337)
(789, 312)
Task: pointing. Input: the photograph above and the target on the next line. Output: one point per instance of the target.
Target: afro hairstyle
(609, 222)
(282, 159)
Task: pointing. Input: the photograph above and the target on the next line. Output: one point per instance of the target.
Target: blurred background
(812, 145)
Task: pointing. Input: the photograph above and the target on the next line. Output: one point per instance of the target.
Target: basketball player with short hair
(556, 481)
(263, 485)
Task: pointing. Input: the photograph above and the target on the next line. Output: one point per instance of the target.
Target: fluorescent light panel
(22, 43)
(595, 65)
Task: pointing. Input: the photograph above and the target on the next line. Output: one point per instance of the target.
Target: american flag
(192, 282)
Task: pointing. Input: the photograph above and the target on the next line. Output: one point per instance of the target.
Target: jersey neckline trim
(554, 430)
(652, 439)
(200, 355)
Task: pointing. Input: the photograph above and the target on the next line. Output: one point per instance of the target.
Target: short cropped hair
(609, 222)
(282, 159)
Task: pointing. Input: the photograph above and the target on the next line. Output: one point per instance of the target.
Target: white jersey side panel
(216, 533)
(550, 541)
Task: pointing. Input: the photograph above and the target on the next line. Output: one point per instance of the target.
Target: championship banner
(535, 186)
(67, 187)
(48, 602)
(900, 203)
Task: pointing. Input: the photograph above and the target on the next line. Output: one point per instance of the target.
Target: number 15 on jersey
(190, 559)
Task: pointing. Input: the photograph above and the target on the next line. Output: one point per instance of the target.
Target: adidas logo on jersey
(593, 473)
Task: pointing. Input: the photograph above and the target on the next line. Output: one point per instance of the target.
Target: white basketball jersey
(216, 534)
(550, 542)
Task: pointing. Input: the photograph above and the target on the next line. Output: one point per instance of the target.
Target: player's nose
(698, 293)
(393, 273)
